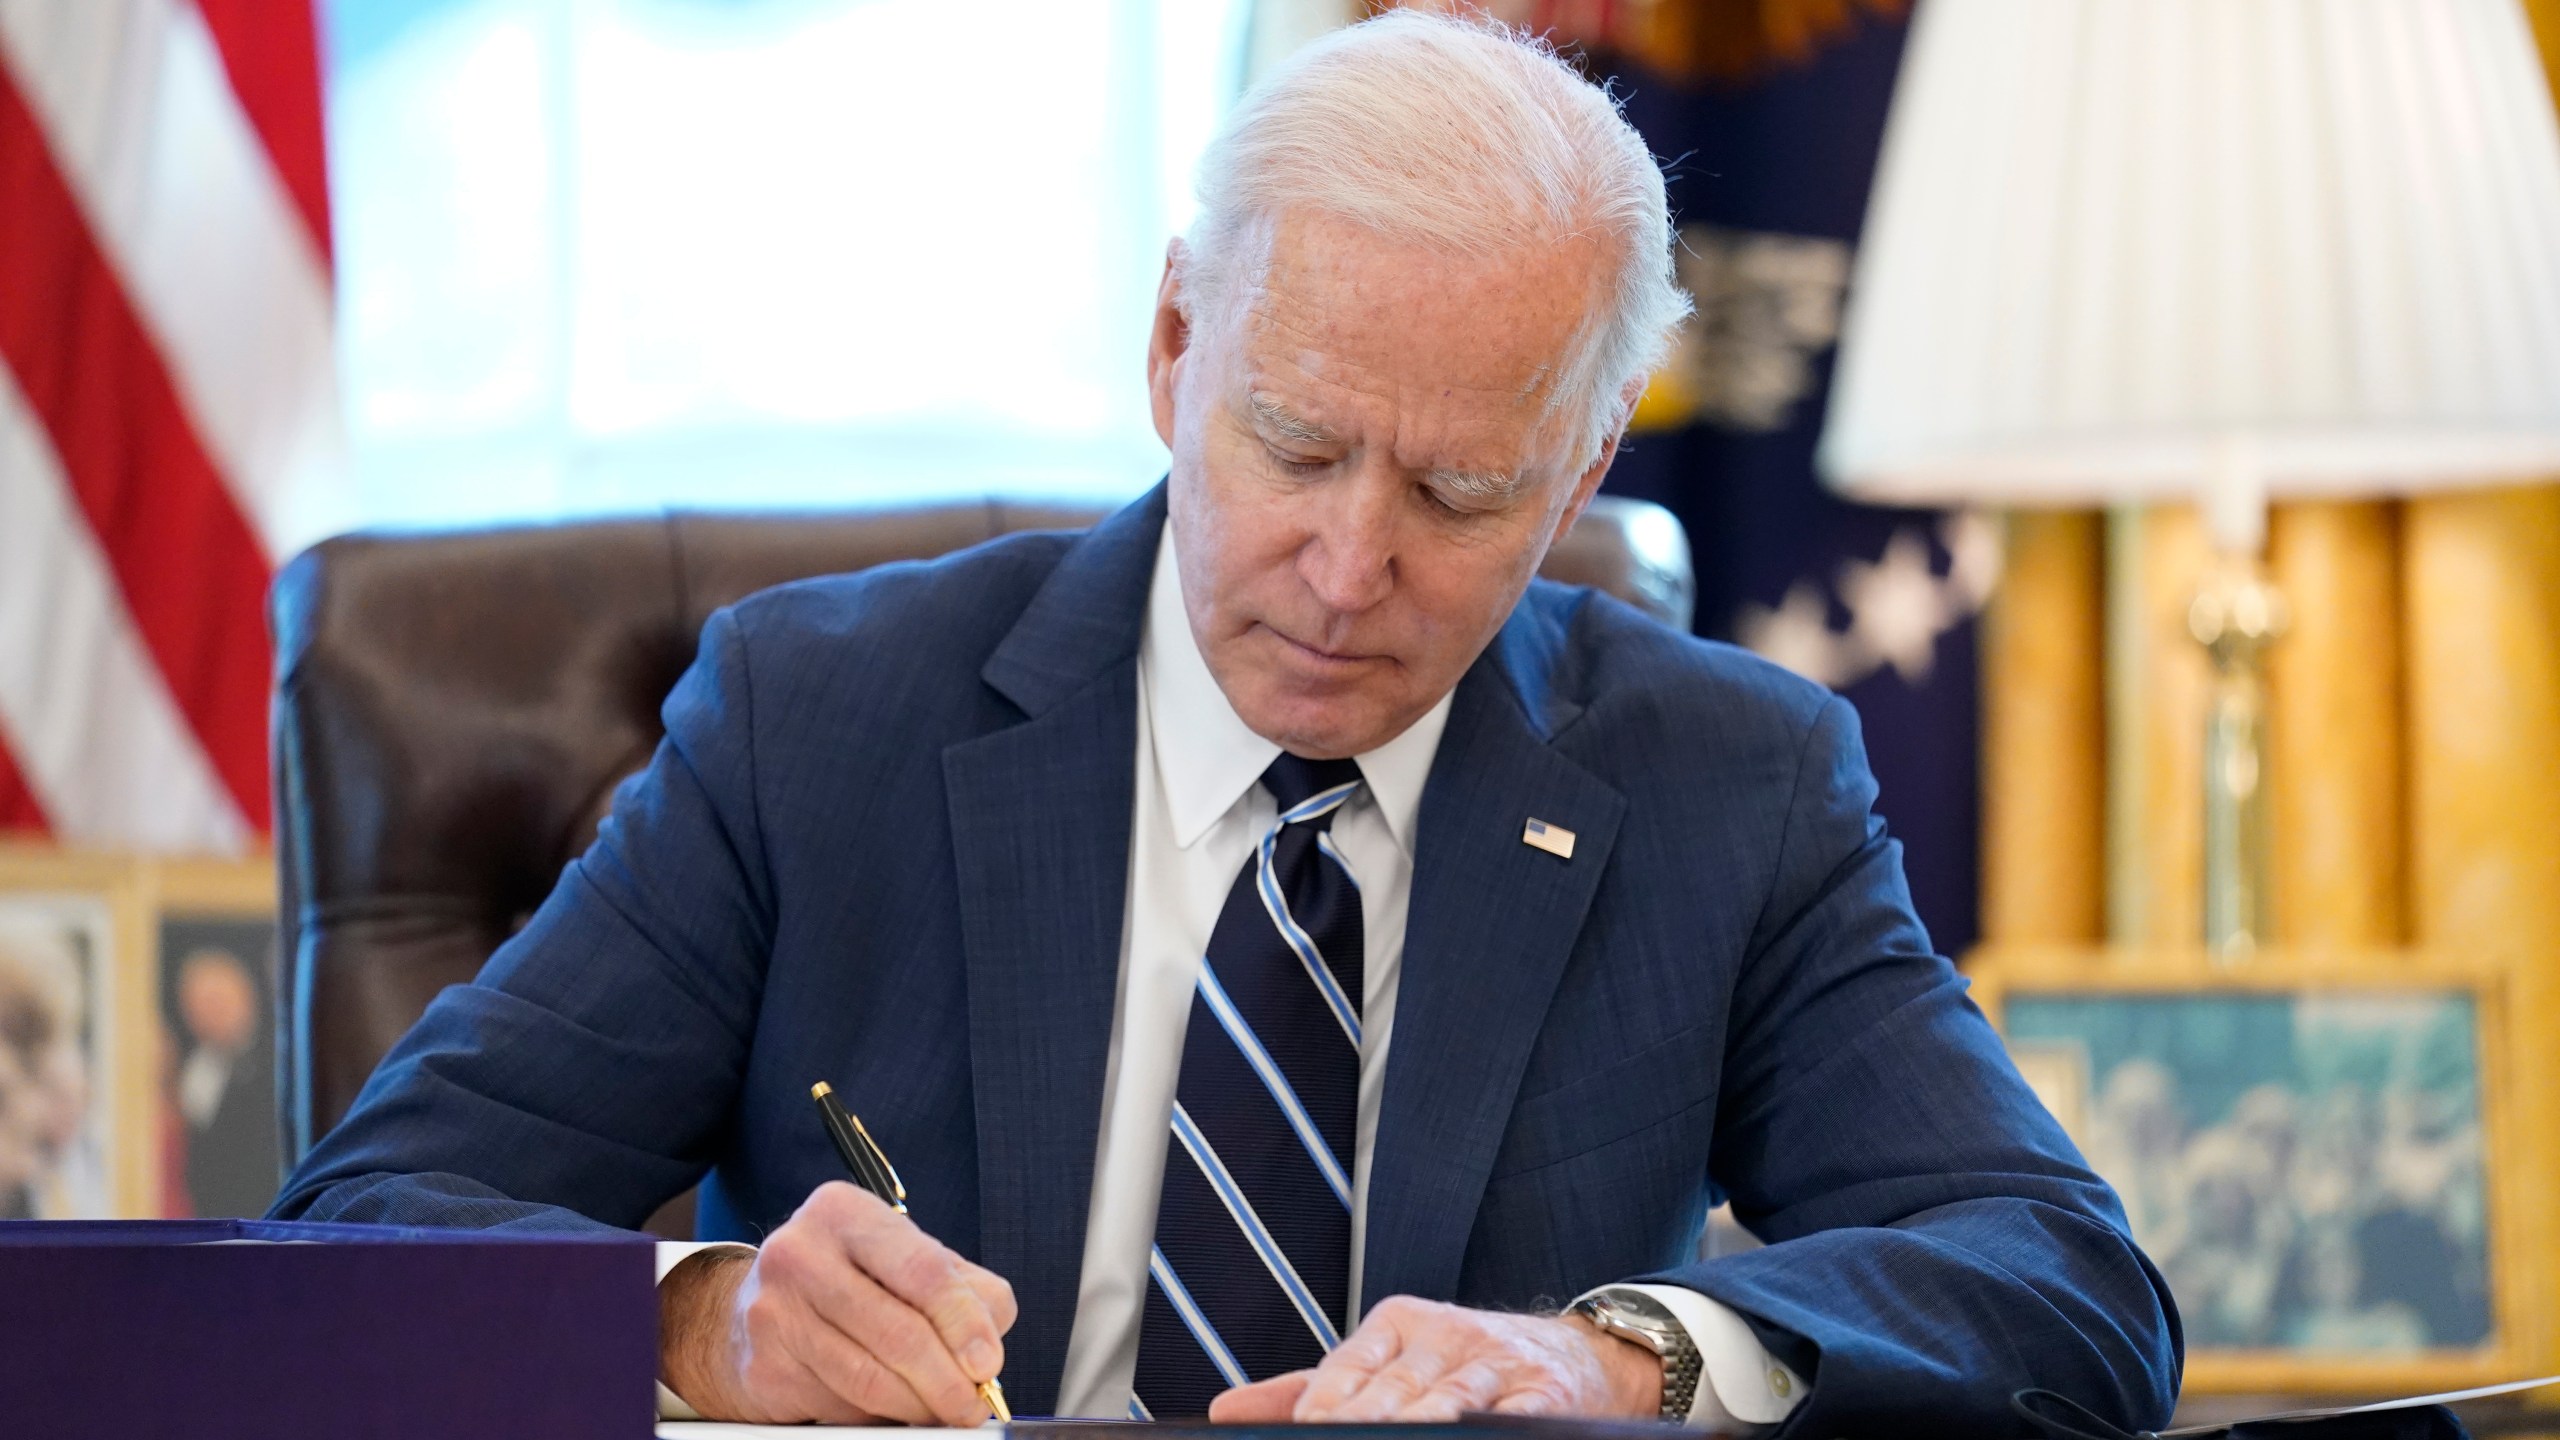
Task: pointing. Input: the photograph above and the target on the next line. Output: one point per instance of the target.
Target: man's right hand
(847, 1314)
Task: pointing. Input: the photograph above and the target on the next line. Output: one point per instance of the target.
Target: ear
(1168, 341)
(1587, 484)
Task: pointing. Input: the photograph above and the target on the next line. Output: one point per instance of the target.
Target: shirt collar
(1207, 757)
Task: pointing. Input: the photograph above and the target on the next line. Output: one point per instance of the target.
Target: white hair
(1456, 133)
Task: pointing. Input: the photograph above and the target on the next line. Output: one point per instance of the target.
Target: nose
(1349, 558)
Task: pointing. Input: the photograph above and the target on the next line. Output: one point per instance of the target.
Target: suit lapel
(1492, 923)
(1040, 834)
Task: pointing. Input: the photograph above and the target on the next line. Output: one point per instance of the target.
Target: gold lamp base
(2236, 615)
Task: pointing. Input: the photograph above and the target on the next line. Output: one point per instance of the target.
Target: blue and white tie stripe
(1251, 1272)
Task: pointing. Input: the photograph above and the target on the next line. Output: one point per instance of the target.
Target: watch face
(1632, 1318)
(1640, 1307)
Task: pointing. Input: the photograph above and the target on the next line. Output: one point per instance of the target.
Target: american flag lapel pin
(1554, 839)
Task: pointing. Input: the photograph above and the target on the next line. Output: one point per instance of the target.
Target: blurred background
(2184, 523)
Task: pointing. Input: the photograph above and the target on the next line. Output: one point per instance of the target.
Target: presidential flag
(1768, 118)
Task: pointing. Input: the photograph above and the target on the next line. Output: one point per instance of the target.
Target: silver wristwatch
(1634, 1315)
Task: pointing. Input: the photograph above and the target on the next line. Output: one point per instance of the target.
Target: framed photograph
(213, 953)
(78, 1112)
(2313, 1148)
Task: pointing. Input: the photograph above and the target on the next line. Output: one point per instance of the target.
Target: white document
(720, 1431)
(2448, 1397)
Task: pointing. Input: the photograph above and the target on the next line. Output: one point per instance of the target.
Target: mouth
(1320, 656)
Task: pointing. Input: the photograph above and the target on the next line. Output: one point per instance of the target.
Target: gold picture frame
(75, 940)
(2281, 1185)
(213, 929)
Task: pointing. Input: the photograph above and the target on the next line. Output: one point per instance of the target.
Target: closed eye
(1294, 464)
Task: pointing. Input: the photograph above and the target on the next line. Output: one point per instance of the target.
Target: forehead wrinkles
(1378, 336)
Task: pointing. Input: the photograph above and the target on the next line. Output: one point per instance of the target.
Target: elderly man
(1290, 956)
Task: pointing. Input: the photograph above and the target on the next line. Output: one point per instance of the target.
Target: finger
(996, 1292)
(1264, 1402)
(855, 1379)
(801, 1304)
(802, 1393)
(923, 1273)
(809, 1264)
(908, 1344)
(1469, 1389)
(1348, 1368)
(1536, 1400)
(1418, 1366)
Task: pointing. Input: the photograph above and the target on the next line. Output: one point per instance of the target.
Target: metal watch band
(1638, 1318)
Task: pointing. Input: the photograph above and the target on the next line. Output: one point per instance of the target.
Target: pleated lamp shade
(2114, 243)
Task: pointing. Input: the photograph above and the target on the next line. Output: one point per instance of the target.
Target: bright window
(599, 256)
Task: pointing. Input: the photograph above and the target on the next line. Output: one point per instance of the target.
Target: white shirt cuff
(672, 1253)
(1742, 1388)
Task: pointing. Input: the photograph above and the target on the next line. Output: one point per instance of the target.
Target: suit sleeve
(585, 1077)
(1936, 1241)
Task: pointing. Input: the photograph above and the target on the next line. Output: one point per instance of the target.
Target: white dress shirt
(1197, 813)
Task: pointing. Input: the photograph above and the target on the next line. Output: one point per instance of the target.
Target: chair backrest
(453, 712)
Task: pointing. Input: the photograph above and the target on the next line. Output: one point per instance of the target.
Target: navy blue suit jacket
(885, 843)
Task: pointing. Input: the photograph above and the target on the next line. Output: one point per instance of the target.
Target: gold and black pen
(872, 1171)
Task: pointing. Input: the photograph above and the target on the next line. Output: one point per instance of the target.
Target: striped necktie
(1251, 1271)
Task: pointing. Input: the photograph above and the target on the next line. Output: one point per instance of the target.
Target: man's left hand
(1422, 1360)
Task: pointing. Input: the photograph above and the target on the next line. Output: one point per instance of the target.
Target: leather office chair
(453, 713)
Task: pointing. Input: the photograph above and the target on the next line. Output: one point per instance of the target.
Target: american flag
(168, 408)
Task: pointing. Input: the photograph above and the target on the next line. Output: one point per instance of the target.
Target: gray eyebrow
(1288, 426)
(1471, 484)
(1478, 484)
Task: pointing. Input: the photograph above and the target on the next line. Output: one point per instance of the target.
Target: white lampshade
(2114, 244)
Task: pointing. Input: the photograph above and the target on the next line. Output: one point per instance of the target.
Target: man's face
(1365, 473)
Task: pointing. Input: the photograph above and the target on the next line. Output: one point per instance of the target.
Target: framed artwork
(213, 951)
(77, 1104)
(2313, 1147)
